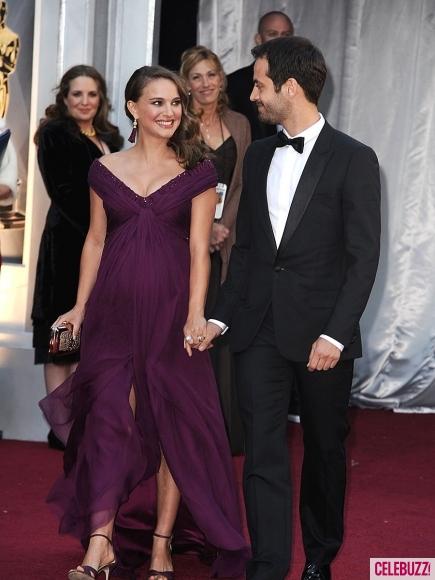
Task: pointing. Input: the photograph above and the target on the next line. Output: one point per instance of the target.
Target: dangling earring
(132, 137)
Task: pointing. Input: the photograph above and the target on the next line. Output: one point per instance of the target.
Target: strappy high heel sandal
(90, 573)
(169, 575)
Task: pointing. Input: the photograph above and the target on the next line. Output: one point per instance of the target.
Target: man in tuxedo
(300, 275)
(239, 83)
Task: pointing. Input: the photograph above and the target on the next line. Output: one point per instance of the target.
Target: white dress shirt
(284, 174)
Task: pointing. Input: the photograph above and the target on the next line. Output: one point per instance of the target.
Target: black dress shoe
(315, 572)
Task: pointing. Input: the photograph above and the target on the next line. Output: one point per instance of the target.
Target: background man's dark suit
(277, 301)
(239, 87)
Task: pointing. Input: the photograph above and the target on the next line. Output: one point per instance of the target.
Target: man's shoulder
(345, 141)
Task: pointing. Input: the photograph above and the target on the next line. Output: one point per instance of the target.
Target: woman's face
(83, 99)
(205, 83)
(158, 110)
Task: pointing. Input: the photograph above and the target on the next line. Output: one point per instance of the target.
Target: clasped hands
(323, 356)
(199, 335)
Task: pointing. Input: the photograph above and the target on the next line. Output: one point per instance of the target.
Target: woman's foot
(161, 562)
(99, 555)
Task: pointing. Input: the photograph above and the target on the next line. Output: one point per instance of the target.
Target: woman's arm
(89, 263)
(64, 171)
(203, 208)
(56, 164)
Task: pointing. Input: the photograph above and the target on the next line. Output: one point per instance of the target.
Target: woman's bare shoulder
(114, 160)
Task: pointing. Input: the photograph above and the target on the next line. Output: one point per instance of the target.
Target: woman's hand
(219, 234)
(74, 317)
(194, 332)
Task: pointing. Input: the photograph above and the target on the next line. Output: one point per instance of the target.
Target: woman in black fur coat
(74, 132)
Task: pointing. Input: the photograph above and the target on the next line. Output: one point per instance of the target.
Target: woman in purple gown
(143, 401)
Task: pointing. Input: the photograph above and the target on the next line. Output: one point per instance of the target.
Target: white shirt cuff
(221, 325)
(331, 340)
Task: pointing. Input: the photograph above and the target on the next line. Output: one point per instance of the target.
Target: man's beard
(266, 116)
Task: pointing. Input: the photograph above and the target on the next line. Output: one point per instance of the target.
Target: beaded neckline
(168, 185)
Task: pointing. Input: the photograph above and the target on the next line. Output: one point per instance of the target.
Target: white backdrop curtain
(381, 90)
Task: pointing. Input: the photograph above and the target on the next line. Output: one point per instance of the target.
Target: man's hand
(212, 332)
(323, 356)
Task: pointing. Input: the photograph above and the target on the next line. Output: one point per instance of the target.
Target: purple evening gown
(133, 335)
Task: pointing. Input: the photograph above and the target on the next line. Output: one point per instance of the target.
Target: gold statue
(9, 47)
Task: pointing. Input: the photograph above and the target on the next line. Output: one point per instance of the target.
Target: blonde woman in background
(228, 134)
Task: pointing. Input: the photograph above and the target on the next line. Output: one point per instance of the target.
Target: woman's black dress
(64, 158)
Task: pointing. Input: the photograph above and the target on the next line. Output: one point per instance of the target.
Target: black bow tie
(297, 143)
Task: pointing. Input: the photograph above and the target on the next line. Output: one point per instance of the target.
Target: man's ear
(291, 86)
(258, 40)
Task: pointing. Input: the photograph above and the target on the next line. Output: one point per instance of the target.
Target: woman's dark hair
(59, 111)
(186, 141)
(294, 57)
(191, 57)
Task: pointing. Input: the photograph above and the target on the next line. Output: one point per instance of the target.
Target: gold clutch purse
(62, 341)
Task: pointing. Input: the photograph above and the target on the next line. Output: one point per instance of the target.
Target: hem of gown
(228, 563)
(222, 563)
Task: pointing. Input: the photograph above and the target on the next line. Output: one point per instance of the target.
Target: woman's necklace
(206, 127)
(92, 135)
(89, 132)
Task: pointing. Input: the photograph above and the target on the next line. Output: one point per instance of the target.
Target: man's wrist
(333, 341)
(220, 324)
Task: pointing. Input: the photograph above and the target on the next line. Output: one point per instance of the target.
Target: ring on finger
(200, 338)
(187, 338)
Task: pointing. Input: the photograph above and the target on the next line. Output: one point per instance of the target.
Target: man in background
(271, 25)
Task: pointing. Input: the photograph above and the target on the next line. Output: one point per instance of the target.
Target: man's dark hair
(294, 57)
(274, 13)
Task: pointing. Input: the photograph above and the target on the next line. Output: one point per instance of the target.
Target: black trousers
(264, 381)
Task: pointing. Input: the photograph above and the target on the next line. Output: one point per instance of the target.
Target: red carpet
(390, 508)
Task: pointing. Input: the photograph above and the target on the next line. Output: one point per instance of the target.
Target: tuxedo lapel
(311, 174)
(263, 171)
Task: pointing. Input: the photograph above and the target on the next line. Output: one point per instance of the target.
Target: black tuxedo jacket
(319, 279)
(239, 87)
